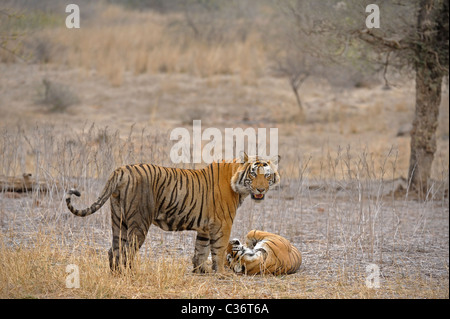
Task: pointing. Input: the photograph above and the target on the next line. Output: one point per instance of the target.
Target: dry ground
(338, 234)
(341, 161)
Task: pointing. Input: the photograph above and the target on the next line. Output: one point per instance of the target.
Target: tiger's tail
(109, 188)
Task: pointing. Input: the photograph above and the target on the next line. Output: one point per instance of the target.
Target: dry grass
(38, 270)
(120, 41)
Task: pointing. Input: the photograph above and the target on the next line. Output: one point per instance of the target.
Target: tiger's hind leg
(119, 236)
(201, 254)
(138, 226)
(129, 232)
(132, 211)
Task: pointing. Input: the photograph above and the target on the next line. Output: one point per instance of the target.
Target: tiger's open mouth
(258, 196)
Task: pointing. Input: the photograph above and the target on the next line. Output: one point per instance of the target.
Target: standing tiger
(266, 253)
(204, 200)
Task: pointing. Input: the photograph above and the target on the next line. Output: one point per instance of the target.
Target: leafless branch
(370, 37)
(386, 65)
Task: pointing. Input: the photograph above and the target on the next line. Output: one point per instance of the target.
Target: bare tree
(306, 48)
(296, 67)
(412, 34)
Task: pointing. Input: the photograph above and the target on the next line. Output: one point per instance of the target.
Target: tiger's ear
(244, 157)
(275, 160)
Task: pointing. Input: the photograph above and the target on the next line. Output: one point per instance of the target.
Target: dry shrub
(122, 41)
(57, 96)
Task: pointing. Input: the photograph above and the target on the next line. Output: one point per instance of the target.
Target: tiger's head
(256, 176)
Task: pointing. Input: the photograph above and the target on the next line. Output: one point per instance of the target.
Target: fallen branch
(23, 184)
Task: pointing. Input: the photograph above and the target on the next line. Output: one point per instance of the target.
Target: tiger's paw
(236, 245)
(202, 269)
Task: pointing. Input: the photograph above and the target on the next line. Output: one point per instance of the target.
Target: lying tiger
(204, 200)
(266, 253)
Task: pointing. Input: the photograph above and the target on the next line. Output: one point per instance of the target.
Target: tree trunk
(423, 134)
(297, 96)
(429, 75)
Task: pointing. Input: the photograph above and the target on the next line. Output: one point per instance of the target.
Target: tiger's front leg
(201, 253)
(219, 243)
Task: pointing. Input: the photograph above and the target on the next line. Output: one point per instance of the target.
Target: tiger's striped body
(204, 200)
(265, 253)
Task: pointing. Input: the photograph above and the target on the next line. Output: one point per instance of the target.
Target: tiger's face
(256, 177)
